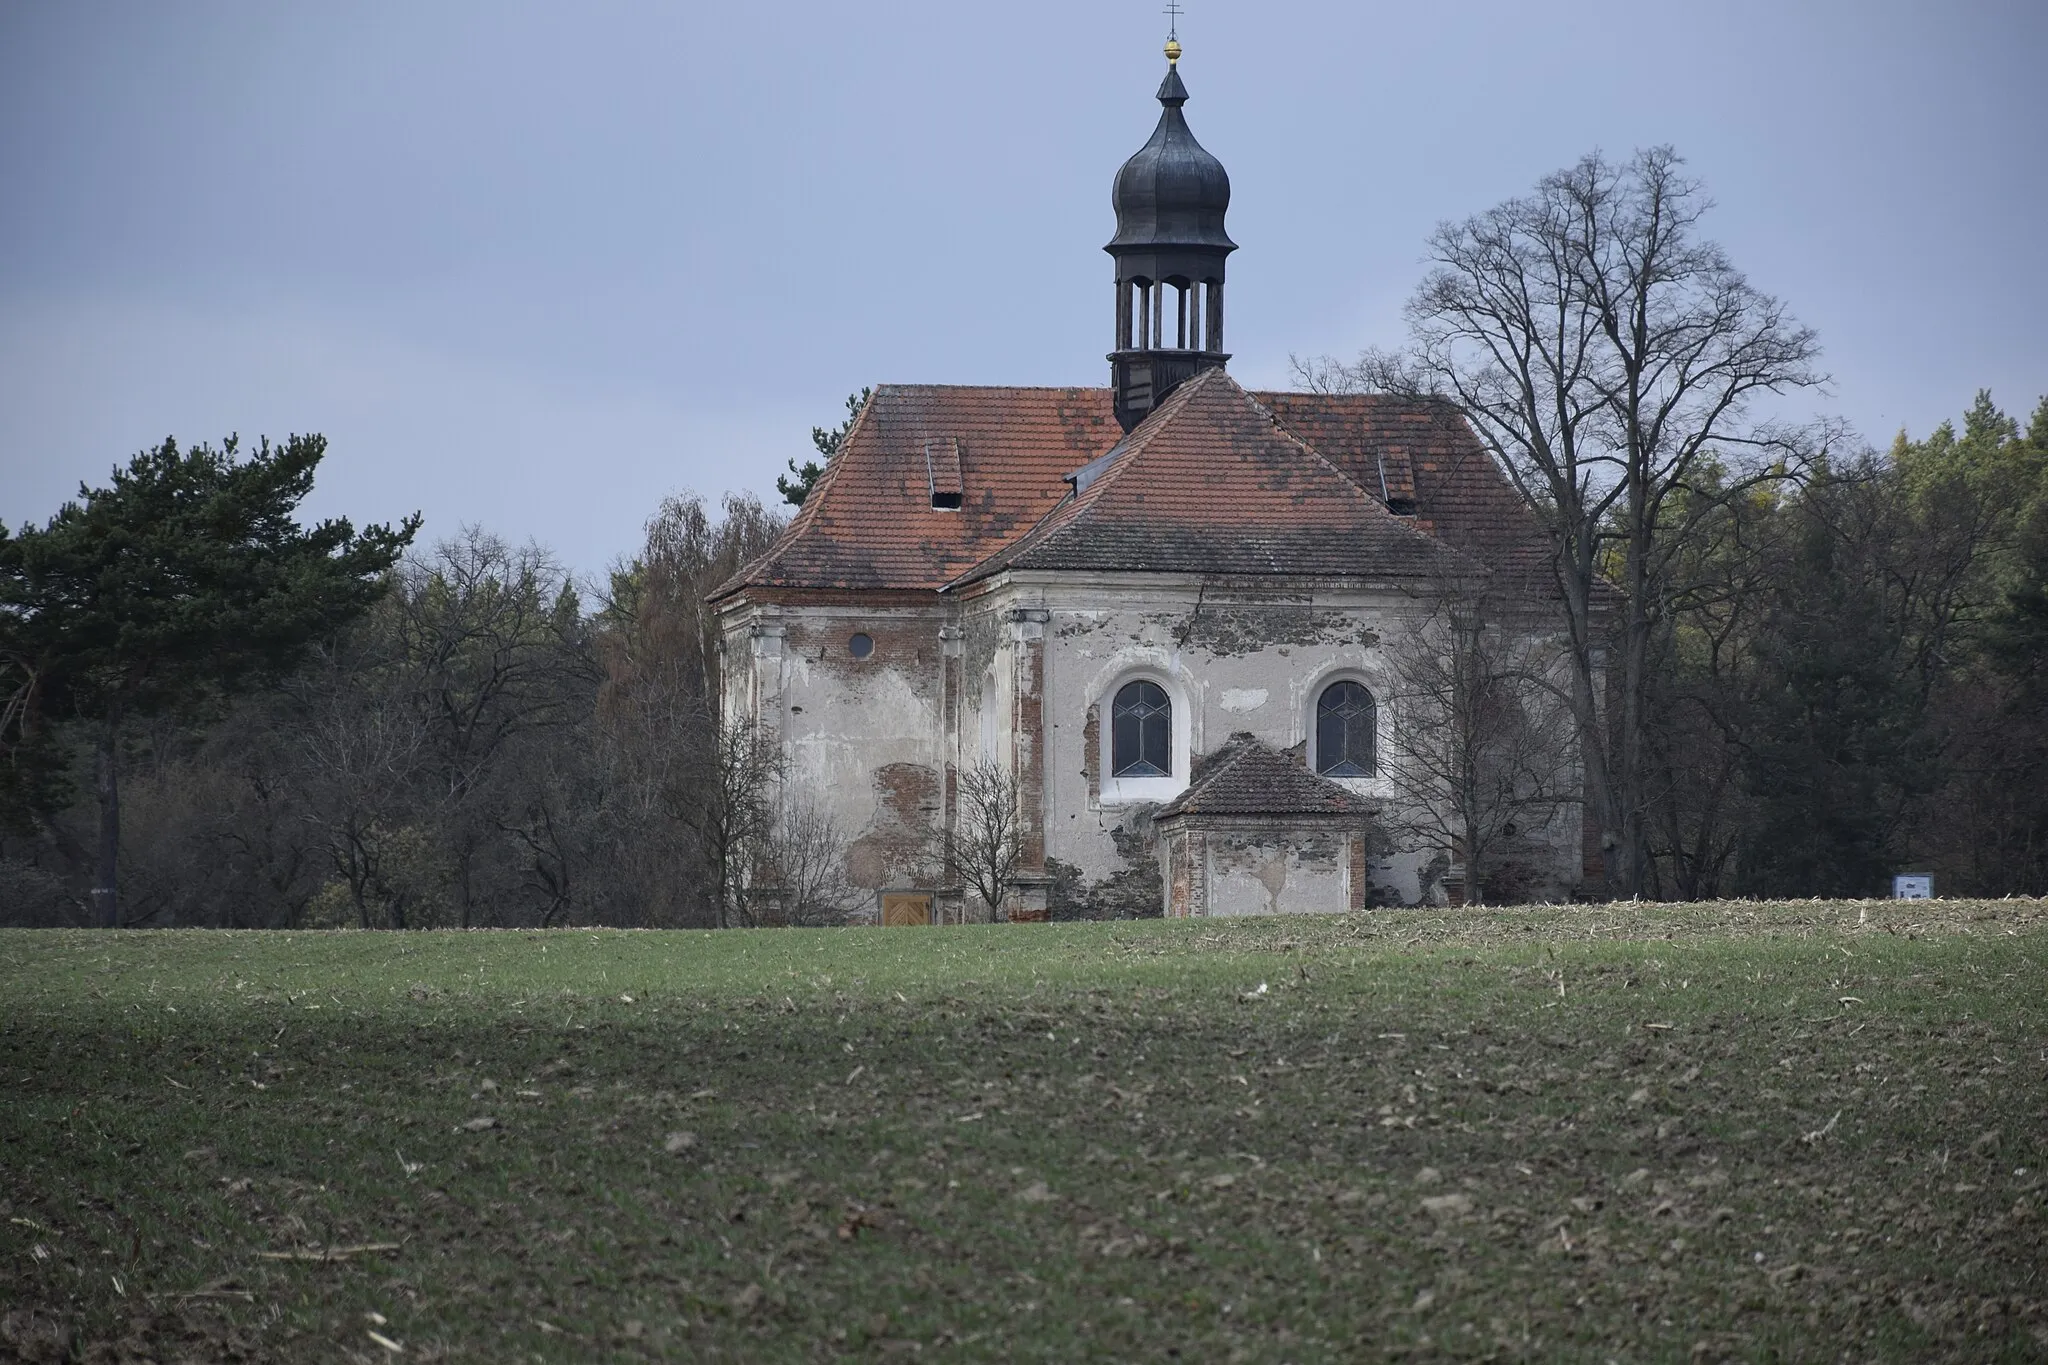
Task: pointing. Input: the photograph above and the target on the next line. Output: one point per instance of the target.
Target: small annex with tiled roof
(1249, 777)
(1168, 617)
(1257, 833)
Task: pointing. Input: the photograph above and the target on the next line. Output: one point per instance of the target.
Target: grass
(1757, 1132)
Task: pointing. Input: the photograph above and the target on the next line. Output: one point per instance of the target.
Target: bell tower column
(1170, 202)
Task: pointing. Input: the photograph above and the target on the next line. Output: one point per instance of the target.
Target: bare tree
(490, 638)
(362, 751)
(543, 834)
(1704, 686)
(1604, 353)
(659, 603)
(1480, 748)
(728, 804)
(18, 684)
(476, 749)
(807, 865)
(987, 844)
(658, 708)
(27, 761)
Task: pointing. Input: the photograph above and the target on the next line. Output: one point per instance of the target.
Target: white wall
(866, 741)
(1269, 873)
(1231, 660)
(863, 737)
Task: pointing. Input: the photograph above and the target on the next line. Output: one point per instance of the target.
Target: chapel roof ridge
(1417, 464)
(1228, 490)
(1122, 450)
(898, 386)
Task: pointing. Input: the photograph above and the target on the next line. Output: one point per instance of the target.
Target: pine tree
(795, 490)
(185, 580)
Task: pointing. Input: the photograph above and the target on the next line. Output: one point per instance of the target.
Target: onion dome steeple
(1170, 200)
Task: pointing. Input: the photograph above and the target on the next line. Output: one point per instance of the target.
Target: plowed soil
(1737, 1131)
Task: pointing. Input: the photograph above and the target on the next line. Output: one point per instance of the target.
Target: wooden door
(906, 907)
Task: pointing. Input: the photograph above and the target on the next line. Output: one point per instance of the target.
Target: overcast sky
(536, 266)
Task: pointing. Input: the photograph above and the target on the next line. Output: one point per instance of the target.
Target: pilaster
(952, 651)
(1031, 885)
(766, 637)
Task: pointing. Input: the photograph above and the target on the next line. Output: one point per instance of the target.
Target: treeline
(1782, 670)
(1851, 678)
(1788, 671)
(1848, 679)
(486, 743)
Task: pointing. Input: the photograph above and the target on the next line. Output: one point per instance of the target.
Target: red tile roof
(870, 524)
(1246, 777)
(1223, 491)
(1207, 483)
(1430, 456)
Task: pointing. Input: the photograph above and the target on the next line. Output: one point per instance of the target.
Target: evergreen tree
(795, 490)
(1839, 748)
(2016, 648)
(185, 580)
(2016, 636)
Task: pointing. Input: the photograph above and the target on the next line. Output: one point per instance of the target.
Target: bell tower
(1169, 250)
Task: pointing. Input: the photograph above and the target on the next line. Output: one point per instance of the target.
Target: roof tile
(1247, 777)
(1209, 483)
(870, 524)
(1224, 490)
(1426, 454)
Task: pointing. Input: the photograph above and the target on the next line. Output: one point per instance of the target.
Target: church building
(1168, 616)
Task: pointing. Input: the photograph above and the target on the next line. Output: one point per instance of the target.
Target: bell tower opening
(1170, 201)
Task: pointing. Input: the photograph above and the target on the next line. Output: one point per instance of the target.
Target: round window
(861, 645)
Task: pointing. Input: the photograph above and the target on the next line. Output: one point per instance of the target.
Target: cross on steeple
(1173, 12)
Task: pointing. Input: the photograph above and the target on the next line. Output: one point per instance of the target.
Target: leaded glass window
(1347, 723)
(1141, 731)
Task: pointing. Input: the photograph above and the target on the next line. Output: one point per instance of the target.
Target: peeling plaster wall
(1233, 659)
(865, 739)
(870, 741)
(1252, 866)
(1268, 872)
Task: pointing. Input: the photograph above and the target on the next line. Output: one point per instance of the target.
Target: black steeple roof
(1170, 200)
(1173, 193)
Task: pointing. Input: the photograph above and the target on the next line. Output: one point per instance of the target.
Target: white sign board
(1913, 888)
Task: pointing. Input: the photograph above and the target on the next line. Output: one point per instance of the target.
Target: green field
(1754, 1132)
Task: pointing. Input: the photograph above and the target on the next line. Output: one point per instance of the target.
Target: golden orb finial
(1172, 51)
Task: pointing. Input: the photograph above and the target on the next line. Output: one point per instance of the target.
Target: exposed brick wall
(1030, 740)
(951, 648)
(909, 644)
(1181, 878)
(1134, 892)
(888, 713)
(1091, 753)
(1032, 903)
(1286, 864)
(902, 845)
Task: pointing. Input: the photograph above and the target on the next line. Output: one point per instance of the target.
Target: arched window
(1141, 731)
(1347, 722)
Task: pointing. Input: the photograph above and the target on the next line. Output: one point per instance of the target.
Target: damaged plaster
(1024, 673)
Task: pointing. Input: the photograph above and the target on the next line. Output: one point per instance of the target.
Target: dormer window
(942, 474)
